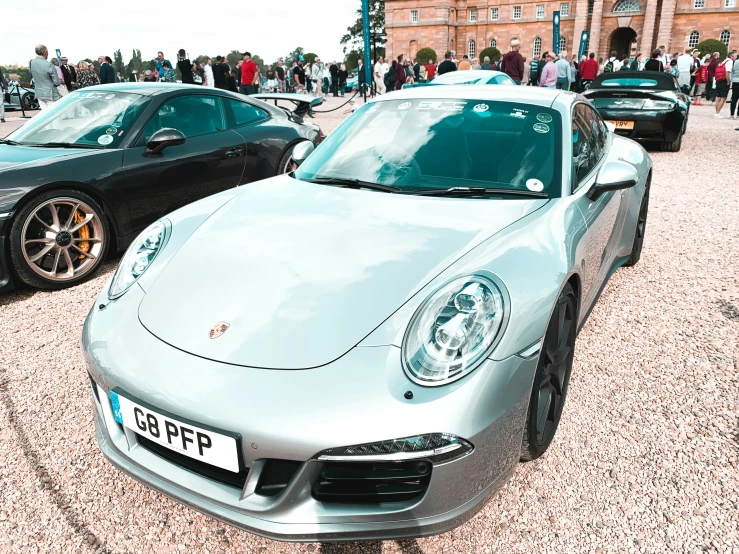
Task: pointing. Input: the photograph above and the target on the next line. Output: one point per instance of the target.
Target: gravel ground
(645, 459)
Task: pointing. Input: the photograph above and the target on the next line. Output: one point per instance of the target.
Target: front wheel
(58, 239)
(552, 377)
(29, 101)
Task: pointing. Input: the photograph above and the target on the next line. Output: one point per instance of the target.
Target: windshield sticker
(109, 96)
(535, 185)
(519, 113)
(544, 117)
(481, 108)
(111, 131)
(541, 128)
(92, 95)
(105, 140)
(404, 106)
(116, 124)
(441, 106)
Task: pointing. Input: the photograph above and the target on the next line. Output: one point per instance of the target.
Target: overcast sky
(87, 29)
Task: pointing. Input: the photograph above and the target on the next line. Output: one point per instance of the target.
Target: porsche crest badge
(218, 329)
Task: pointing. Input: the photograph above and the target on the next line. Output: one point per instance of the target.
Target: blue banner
(366, 27)
(59, 56)
(555, 25)
(583, 45)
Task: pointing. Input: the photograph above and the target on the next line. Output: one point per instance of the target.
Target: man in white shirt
(684, 66)
(612, 62)
(379, 75)
(208, 68)
(665, 57)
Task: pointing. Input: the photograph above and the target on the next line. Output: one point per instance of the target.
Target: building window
(516, 12)
(725, 37)
(591, 3)
(693, 39)
(730, 4)
(564, 9)
(537, 47)
(471, 49)
(540, 11)
(493, 14)
(414, 16)
(699, 4)
(562, 44)
(628, 6)
(493, 43)
(473, 15)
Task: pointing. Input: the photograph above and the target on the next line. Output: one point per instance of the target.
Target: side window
(243, 113)
(587, 142)
(501, 80)
(191, 115)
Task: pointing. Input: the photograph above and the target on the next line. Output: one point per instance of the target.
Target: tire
(641, 227)
(283, 166)
(55, 252)
(673, 146)
(29, 101)
(552, 377)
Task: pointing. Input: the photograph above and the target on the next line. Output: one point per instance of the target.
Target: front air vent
(372, 483)
(275, 476)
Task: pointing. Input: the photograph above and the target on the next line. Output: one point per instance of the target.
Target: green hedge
(425, 54)
(490, 52)
(712, 45)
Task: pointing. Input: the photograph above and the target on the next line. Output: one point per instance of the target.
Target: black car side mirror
(613, 176)
(301, 151)
(161, 140)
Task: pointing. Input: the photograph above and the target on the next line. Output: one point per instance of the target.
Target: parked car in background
(473, 77)
(87, 175)
(642, 105)
(365, 348)
(18, 96)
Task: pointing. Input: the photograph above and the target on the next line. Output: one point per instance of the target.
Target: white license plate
(195, 442)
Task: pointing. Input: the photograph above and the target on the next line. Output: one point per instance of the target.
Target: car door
(247, 119)
(602, 216)
(211, 160)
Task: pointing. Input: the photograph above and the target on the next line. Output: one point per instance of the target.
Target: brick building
(627, 26)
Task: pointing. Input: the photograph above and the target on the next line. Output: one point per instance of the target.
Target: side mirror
(162, 139)
(301, 151)
(613, 176)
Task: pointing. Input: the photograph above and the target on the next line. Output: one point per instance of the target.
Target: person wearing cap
(548, 73)
(513, 62)
(249, 75)
(70, 74)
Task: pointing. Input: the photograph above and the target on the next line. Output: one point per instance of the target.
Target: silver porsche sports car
(365, 348)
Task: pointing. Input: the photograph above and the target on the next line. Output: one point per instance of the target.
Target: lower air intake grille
(208, 471)
(275, 476)
(368, 483)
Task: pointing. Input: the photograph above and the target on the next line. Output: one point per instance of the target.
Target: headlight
(453, 331)
(436, 447)
(139, 257)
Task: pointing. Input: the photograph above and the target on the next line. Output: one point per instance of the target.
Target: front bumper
(293, 415)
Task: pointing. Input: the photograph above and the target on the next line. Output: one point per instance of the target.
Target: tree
(257, 59)
(354, 36)
(310, 57)
(293, 56)
(19, 72)
(425, 54)
(491, 52)
(233, 57)
(118, 62)
(712, 45)
(135, 63)
(351, 60)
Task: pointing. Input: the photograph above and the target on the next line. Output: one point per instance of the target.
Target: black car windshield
(85, 118)
(427, 144)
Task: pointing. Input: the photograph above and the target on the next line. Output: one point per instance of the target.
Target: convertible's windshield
(85, 118)
(424, 144)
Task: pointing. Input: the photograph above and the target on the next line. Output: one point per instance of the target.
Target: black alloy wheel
(552, 377)
(29, 101)
(285, 164)
(641, 227)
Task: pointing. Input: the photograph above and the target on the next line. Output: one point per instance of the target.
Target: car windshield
(84, 118)
(430, 144)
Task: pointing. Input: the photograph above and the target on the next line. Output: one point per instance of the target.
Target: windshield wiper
(352, 183)
(62, 145)
(479, 191)
(8, 141)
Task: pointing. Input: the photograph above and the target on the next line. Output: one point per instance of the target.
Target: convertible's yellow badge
(218, 329)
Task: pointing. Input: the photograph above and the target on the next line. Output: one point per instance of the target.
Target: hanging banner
(555, 25)
(366, 27)
(59, 56)
(583, 45)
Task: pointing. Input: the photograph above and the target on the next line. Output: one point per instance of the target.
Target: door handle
(235, 152)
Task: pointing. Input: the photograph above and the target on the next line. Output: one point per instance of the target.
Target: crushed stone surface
(645, 459)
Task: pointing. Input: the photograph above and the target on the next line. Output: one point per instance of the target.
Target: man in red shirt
(430, 70)
(588, 71)
(249, 75)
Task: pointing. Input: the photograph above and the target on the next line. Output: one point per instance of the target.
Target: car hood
(301, 272)
(14, 156)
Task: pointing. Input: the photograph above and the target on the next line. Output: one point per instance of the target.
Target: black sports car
(642, 105)
(90, 173)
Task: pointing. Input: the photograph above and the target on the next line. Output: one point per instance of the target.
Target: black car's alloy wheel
(641, 227)
(58, 239)
(29, 101)
(552, 377)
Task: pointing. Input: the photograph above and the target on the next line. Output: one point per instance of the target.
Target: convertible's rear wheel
(58, 239)
(552, 377)
(29, 101)
(641, 227)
